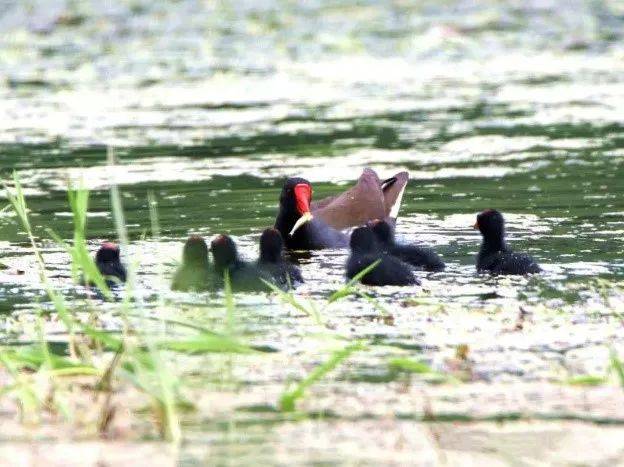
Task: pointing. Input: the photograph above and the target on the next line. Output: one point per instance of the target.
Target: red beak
(303, 195)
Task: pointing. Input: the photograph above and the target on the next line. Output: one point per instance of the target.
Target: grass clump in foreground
(145, 353)
(139, 355)
(142, 355)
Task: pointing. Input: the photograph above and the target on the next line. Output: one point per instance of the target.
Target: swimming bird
(418, 256)
(243, 276)
(108, 262)
(194, 272)
(315, 225)
(365, 251)
(495, 256)
(272, 264)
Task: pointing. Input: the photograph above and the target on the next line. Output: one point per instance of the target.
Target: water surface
(511, 106)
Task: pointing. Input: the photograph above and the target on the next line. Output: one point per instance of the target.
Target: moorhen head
(271, 263)
(243, 276)
(271, 246)
(297, 225)
(495, 256)
(107, 253)
(193, 273)
(491, 224)
(224, 252)
(421, 257)
(365, 251)
(384, 233)
(363, 241)
(295, 202)
(195, 251)
(108, 262)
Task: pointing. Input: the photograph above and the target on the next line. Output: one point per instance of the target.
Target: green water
(510, 106)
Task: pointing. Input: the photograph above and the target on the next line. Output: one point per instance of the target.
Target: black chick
(420, 257)
(272, 264)
(244, 277)
(108, 262)
(193, 273)
(494, 255)
(365, 251)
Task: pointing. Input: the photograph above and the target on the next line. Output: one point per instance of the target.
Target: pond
(211, 106)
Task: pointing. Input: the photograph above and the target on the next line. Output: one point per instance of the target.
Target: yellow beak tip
(307, 217)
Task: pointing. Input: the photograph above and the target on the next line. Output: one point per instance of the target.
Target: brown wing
(356, 206)
(320, 204)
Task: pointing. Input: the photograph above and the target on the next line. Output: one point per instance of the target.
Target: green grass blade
(617, 365)
(109, 341)
(82, 261)
(586, 380)
(347, 289)
(376, 304)
(205, 343)
(38, 356)
(22, 389)
(290, 299)
(18, 201)
(230, 307)
(156, 237)
(409, 366)
(289, 399)
(76, 371)
(166, 384)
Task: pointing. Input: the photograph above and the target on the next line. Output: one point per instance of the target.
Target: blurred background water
(514, 105)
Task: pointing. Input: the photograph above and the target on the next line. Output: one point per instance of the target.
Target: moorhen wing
(495, 256)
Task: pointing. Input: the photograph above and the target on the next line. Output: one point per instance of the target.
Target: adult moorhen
(194, 272)
(418, 256)
(315, 225)
(365, 251)
(272, 264)
(495, 256)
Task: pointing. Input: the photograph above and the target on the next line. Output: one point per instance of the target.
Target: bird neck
(363, 251)
(493, 243)
(270, 256)
(221, 267)
(286, 216)
(195, 262)
(387, 241)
